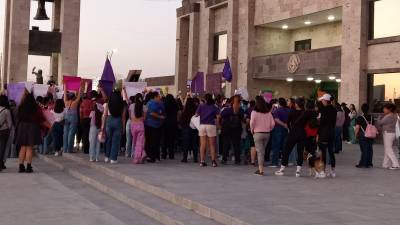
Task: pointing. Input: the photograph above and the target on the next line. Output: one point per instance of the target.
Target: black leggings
(327, 146)
(229, 139)
(311, 147)
(290, 143)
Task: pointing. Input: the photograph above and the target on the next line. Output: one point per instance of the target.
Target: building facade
(292, 47)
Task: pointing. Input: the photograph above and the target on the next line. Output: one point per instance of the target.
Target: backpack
(371, 131)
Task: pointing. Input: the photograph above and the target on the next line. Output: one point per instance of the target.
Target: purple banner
(198, 83)
(213, 83)
(15, 91)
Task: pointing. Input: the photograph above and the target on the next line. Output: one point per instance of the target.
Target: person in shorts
(208, 113)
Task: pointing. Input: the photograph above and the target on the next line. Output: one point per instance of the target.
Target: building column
(56, 23)
(193, 50)
(18, 40)
(246, 35)
(354, 52)
(233, 24)
(182, 49)
(69, 27)
(4, 63)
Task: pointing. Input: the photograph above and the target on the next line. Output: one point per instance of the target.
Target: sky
(142, 31)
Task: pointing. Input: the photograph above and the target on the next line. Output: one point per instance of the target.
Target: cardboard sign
(40, 90)
(72, 83)
(133, 88)
(268, 96)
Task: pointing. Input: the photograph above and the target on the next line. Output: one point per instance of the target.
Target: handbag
(101, 136)
(370, 131)
(398, 127)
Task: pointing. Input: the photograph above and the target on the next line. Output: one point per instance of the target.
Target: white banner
(40, 90)
(133, 88)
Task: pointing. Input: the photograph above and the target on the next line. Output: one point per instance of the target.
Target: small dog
(316, 164)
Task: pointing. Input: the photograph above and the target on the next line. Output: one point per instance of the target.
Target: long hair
(4, 102)
(59, 106)
(28, 108)
(116, 104)
(236, 103)
(138, 106)
(209, 99)
(171, 106)
(261, 105)
(188, 111)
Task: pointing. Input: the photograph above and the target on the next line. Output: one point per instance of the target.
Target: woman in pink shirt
(261, 125)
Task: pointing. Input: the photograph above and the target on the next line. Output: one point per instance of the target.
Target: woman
(190, 136)
(297, 121)
(353, 117)
(137, 130)
(170, 127)
(113, 122)
(153, 126)
(340, 120)
(58, 126)
(261, 125)
(5, 127)
(253, 151)
(387, 125)
(95, 126)
(71, 119)
(30, 119)
(208, 113)
(311, 129)
(231, 129)
(367, 151)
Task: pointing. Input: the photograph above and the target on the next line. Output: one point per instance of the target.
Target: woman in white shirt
(58, 126)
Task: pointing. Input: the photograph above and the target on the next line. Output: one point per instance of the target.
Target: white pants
(390, 159)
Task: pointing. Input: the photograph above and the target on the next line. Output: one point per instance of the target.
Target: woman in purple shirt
(208, 113)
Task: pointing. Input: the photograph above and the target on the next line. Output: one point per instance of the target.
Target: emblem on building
(294, 63)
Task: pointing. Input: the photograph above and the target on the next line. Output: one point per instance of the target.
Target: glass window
(386, 18)
(385, 88)
(302, 45)
(220, 47)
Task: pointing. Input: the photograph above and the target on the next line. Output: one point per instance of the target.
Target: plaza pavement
(354, 197)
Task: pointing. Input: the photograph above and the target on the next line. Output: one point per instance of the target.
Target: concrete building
(61, 44)
(164, 83)
(292, 47)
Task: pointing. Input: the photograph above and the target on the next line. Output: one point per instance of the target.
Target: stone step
(173, 198)
(115, 208)
(158, 209)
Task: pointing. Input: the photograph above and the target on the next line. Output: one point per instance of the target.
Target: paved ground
(356, 196)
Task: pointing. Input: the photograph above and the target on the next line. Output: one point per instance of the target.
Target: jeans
(44, 148)
(366, 150)
(231, 139)
(390, 159)
(338, 139)
(128, 145)
(261, 140)
(70, 128)
(85, 128)
(137, 130)
(279, 135)
(94, 149)
(57, 135)
(113, 137)
(190, 142)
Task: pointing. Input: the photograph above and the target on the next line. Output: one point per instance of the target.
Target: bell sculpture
(41, 11)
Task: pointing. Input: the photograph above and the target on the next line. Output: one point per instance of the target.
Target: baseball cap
(326, 97)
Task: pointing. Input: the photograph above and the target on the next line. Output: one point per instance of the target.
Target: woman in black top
(366, 148)
(170, 127)
(297, 121)
(190, 136)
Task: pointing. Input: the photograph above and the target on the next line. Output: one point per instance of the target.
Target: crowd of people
(149, 127)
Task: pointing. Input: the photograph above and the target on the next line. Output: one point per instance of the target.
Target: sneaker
(97, 159)
(259, 173)
(298, 174)
(56, 154)
(203, 164)
(214, 163)
(280, 172)
(106, 159)
(113, 161)
(333, 173)
(320, 175)
(91, 160)
(393, 168)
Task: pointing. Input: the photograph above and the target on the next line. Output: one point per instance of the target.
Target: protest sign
(15, 91)
(72, 83)
(40, 90)
(133, 88)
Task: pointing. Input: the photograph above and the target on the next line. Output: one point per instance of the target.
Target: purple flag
(227, 72)
(108, 72)
(15, 91)
(198, 83)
